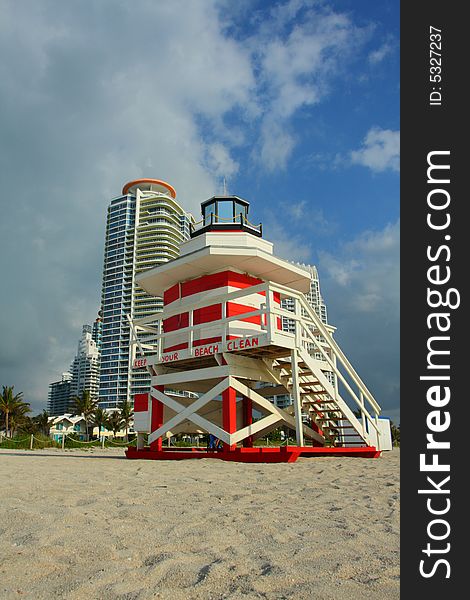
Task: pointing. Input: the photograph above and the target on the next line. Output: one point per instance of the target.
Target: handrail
(339, 354)
(239, 219)
(341, 376)
(324, 331)
(268, 309)
(348, 387)
(182, 330)
(178, 308)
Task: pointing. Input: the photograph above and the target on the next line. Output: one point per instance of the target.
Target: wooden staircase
(326, 409)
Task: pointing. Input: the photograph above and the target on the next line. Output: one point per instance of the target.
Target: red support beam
(157, 419)
(229, 414)
(247, 419)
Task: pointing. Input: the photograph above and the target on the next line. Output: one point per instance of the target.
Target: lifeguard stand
(220, 336)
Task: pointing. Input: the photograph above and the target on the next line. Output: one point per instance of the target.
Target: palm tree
(115, 422)
(28, 426)
(84, 405)
(42, 421)
(395, 433)
(100, 419)
(13, 407)
(126, 413)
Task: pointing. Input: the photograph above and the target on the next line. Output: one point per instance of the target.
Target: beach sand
(78, 524)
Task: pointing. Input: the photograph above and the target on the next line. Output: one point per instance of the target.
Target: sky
(295, 103)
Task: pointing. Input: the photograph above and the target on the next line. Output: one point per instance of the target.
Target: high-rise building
(97, 330)
(145, 227)
(314, 298)
(85, 367)
(59, 398)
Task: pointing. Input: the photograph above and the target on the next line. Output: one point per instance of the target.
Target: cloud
(286, 245)
(361, 287)
(88, 102)
(94, 95)
(378, 55)
(380, 150)
(220, 162)
(297, 65)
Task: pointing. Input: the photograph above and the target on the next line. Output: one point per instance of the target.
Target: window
(208, 210)
(240, 208)
(225, 211)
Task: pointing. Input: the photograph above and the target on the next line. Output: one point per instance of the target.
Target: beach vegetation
(85, 405)
(42, 422)
(13, 409)
(126, 413)
(100, 419)
(115, 422)
(27, 426)
(395, 433)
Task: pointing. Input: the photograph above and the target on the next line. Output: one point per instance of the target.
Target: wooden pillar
(247, 419)
(157, 419)
(229, 414)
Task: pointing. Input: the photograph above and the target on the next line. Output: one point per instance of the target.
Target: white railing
(325, 344)
(213, 219)
(152, 325)
(148, 337)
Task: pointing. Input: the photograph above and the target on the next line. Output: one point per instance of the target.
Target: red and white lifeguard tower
(220, 336)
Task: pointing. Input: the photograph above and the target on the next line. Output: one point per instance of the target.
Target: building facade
(145, 227)
(85, 367)
(314, 298)
(59, 398)
(97, 330)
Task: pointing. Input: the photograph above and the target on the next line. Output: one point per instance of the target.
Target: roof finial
(225, 187)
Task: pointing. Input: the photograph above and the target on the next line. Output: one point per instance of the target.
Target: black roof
(214, 198)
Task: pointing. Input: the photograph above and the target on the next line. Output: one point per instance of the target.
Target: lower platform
(279, 454)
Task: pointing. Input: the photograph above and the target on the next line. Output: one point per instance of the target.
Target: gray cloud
(92, 96)
(95, 94)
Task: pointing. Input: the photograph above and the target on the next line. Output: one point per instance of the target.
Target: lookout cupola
(225, 213)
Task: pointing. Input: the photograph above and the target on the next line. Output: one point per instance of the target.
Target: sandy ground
(94, 525)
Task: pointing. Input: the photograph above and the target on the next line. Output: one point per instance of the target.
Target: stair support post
(157, 419)
(363, 416)
(247, 419)
(299, 432)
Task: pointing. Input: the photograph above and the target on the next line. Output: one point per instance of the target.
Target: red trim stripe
(208, 314)
(209, 282)
(141, 403)
(234, 309)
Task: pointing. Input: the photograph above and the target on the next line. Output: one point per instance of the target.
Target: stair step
(320, 402)
(362, 443)
(327, 417)
(281, 366)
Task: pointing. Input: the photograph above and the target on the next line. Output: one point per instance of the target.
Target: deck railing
(310, 333)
